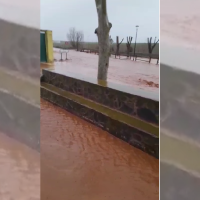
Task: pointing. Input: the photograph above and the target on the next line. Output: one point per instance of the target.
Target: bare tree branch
(117, 46)
(71, 36)
(79, 39)
(150, 45)
(111, 44)
(121, 41)
(128, 46)
(75, 38)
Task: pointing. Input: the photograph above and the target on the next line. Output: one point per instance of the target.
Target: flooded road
(82, 162)
(123, 71)
(19, 171)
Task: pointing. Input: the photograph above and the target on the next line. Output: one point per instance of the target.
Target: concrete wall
(134, 119)
(19, 48)
(20, 82)
(179, 133)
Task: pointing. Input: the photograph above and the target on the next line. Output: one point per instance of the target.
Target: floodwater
(19, 171)
(124, 71)
(180, 28)
(180, 46)
(82, 162)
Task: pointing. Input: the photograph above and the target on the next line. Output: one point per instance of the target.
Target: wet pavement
(81, 161)
(19, 170)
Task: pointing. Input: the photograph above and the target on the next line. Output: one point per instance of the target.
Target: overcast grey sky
(60, 15)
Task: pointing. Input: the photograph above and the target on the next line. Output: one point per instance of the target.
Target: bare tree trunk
(77, 43)
(75, 38)
(117, 46)
(111, 43)
(72, 37)
(151, 45)
(103, 39)
(128, 45)
(79, 39)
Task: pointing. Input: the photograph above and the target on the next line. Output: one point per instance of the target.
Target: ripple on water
(88, 163)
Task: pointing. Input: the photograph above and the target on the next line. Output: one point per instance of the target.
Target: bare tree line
(75, 38)
(129, 48)
(105, 41)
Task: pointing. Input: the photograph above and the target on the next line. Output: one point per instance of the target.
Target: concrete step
(132, 130)
(179, 132)
(130, 100)
(20, 107)
(19, 119)
(180, 152)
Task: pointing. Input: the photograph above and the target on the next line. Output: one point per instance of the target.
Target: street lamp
(135, 39)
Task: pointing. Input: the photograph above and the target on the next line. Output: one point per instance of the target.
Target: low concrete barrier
(131, 115)
(19, 83)
(179, 133)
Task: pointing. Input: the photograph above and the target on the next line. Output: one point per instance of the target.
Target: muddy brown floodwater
(82, 162)
(122, 71)
(19, 171)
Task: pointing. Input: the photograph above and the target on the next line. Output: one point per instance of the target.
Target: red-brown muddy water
(124, 71)
(82, 162)
(19, 171)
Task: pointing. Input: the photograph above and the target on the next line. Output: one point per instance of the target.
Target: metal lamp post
(135, 39)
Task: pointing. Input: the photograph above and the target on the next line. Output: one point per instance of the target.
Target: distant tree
(111, 44)
(79, 39)
(75, 38)
(71, 36)
(151, 45)
(102, 33)
(117, 46)
(128, 46)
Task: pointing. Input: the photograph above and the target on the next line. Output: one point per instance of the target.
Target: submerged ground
(124, 71)
(81, 161)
